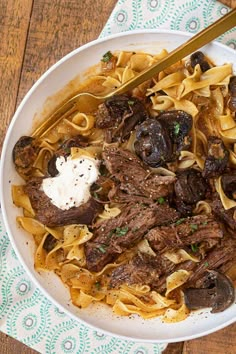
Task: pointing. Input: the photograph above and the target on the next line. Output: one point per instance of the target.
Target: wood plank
(14, 25)
(57, 28)
(223, 341)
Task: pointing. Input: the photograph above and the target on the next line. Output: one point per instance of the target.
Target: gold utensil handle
(199, 40)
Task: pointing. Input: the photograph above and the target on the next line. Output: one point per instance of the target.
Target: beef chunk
(217, 158)
(190, 187)
(48, 214)
(184, 232)
(113, 236)
(24, 155)
(227, 216)
(142, 269)
(119, 115)
(134, 177)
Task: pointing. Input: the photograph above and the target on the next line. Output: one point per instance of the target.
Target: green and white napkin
(25, 313)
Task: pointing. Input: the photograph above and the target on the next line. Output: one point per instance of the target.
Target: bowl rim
(2, 202)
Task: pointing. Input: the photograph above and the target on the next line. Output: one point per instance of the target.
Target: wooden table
(34, 35)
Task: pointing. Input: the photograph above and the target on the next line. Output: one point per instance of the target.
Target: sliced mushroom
(232, 92)
(218, 293)
(217, 158)
(229, 185)
(24, 155)
(199, 58)
(153, 144)
(64, 150)
(118, 116)
(178, 123)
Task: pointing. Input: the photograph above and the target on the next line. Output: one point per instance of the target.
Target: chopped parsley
(180, 221)
(102, 248)
(194, 227)
(194, 248)
(107, 57)
(97, 285)
(120, 231)
(176, 128)
(161, 200)
(204, 223)
(206, 264)
(130, 102)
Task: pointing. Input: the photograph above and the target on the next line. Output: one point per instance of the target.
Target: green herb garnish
(194, 227)
(180, 221)
(204, 222)
(107, 57)
(194, 248)
(161, 200)
(102, 248)
(121, 231)
(206, 264)
(130, 102)
(176, 128)
(97, 285)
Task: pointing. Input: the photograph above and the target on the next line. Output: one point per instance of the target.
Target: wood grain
(34, 35)
(14, 24)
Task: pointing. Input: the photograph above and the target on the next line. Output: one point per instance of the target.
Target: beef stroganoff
(134, 204)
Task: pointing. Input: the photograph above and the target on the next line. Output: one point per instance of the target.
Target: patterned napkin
(25, 313)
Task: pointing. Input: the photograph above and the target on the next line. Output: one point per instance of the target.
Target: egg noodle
(174, 88)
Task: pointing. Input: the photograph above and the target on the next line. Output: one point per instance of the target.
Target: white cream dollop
(71, 187)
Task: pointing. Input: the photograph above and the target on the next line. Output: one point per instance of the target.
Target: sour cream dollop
(71, 187)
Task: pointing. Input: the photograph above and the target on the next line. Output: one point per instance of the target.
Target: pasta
(183, 92)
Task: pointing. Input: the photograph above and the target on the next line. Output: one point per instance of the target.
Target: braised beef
(227, 216)
(113, 236)
(143, 269)
(24, 155)
(228, 182)
(64, 150)
(185, 232)
(153, 144)
(118, 116)
(199, 58)
(217, 158)
(48, 214)
(134, 177)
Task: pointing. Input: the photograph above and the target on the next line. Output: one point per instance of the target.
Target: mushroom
(189, 188)
(199, 58)
(24, 155)
(64, 150)
(232, 92)
(217, 158)
(153, 144)
(229, 185)
(218, 293)
(178, 123)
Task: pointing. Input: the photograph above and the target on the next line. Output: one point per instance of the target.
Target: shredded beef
(190, 231)
(141, 269)
(113, 236)
(134, 176)
(227, 216)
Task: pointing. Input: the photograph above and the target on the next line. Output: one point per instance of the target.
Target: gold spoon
(85, 99)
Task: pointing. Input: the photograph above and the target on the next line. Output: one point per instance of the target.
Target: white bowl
(100, 317)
